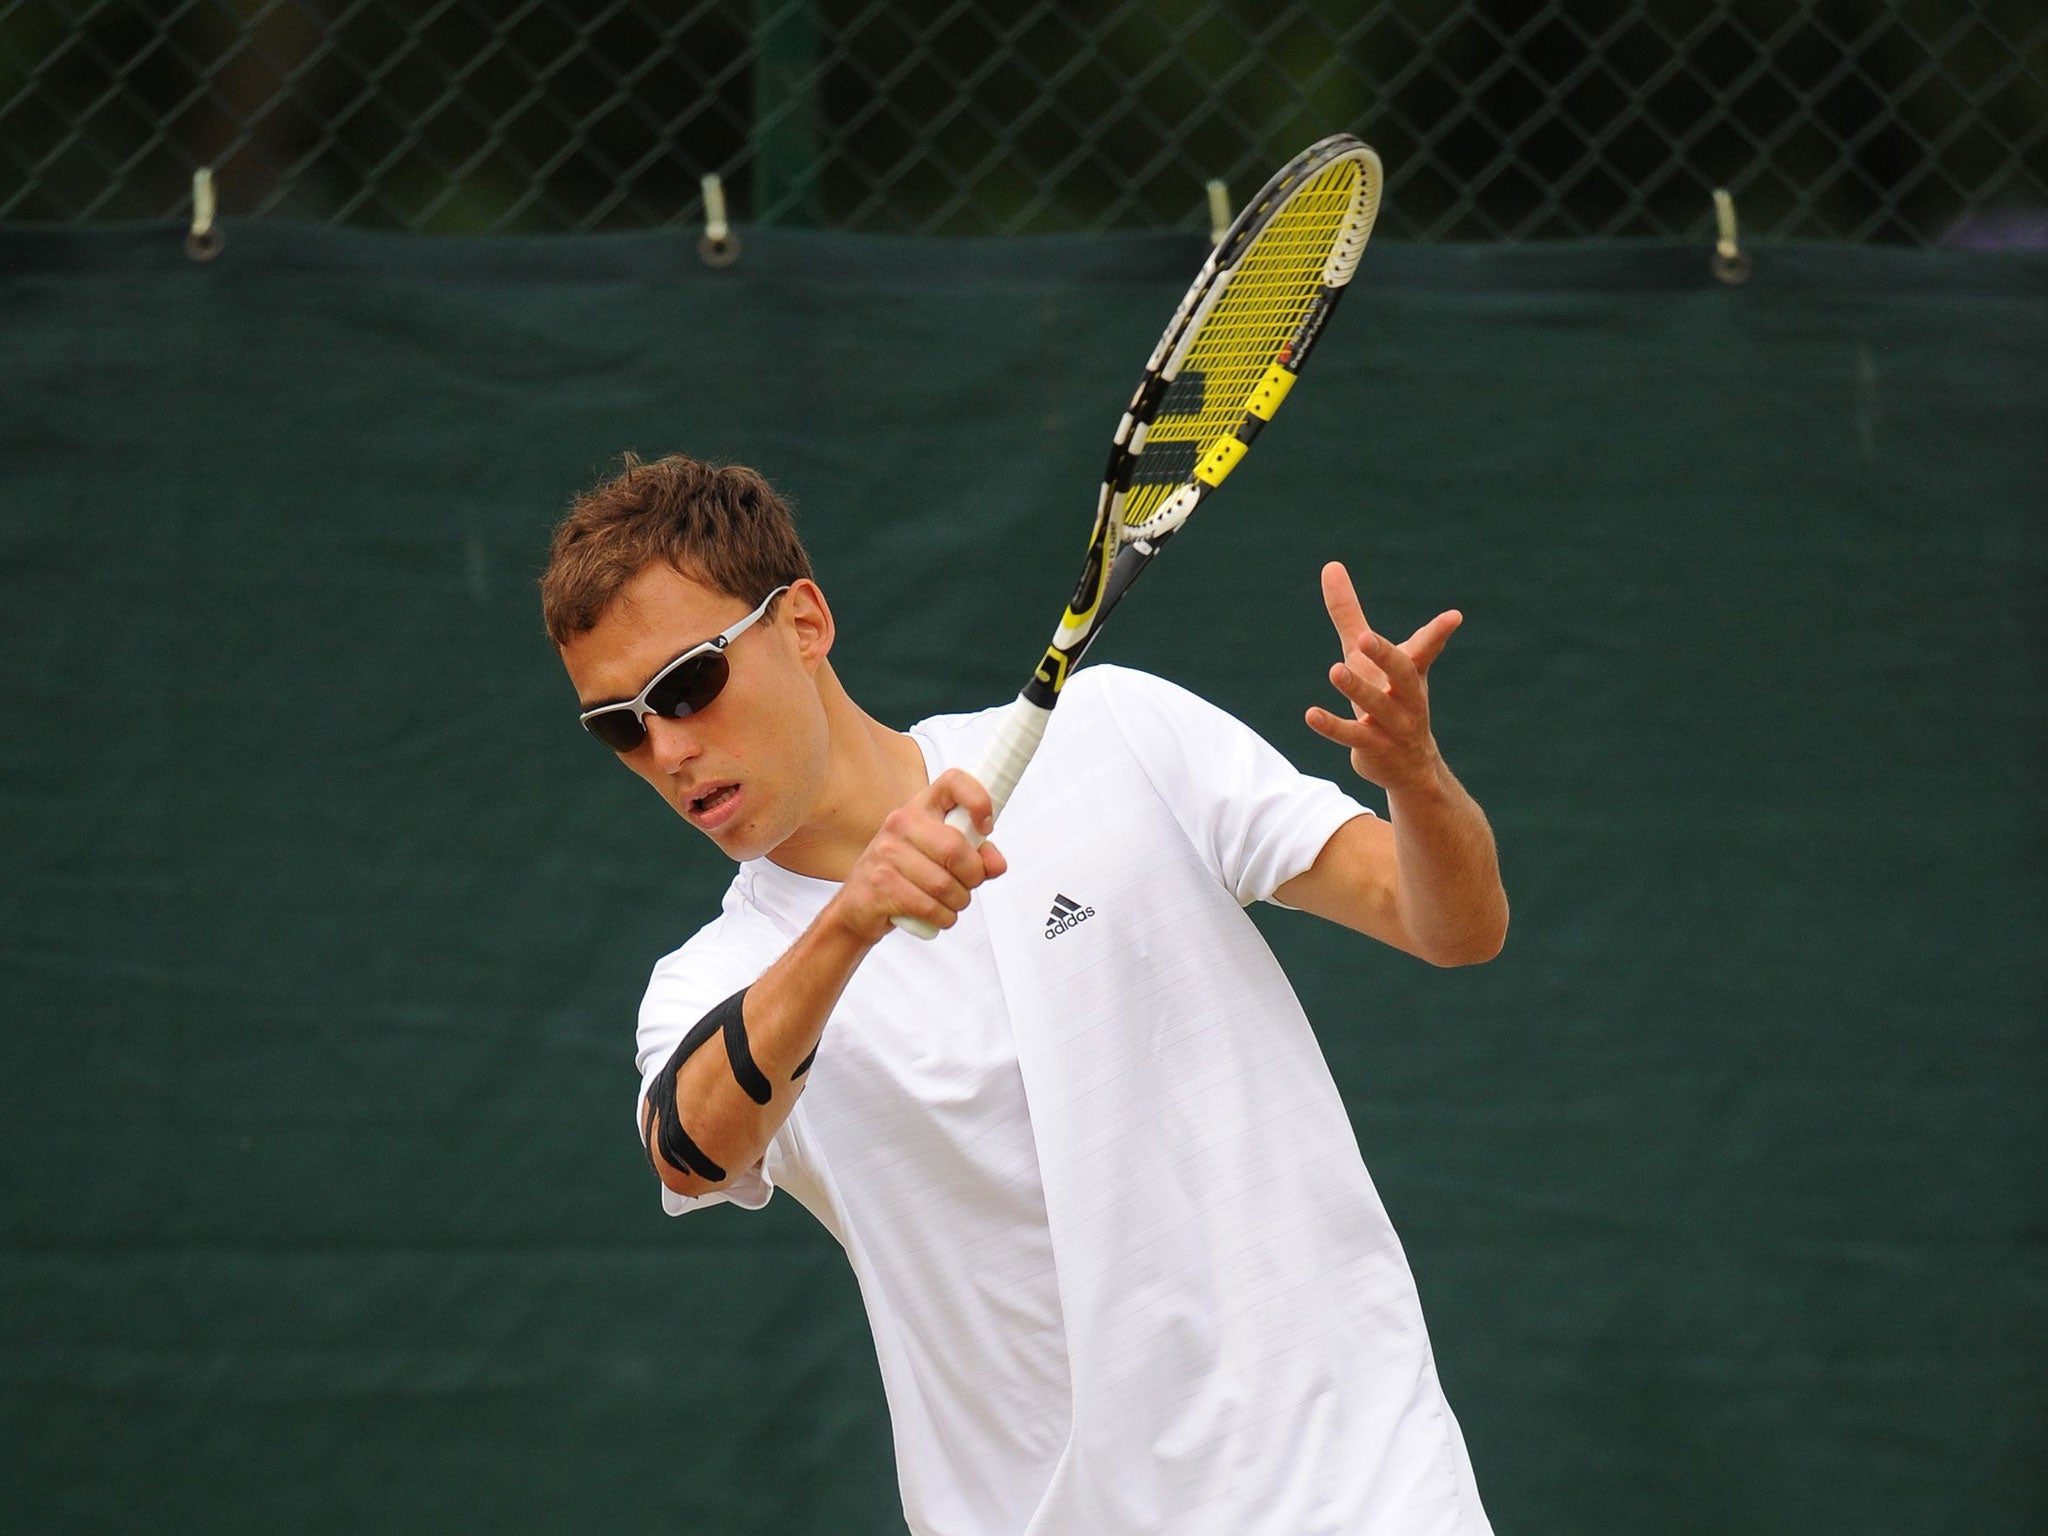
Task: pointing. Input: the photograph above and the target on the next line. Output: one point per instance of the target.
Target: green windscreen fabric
(323, 926)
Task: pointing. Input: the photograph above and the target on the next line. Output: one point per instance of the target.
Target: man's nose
(673, 742)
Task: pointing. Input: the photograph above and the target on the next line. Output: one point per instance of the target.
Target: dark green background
(322, 926)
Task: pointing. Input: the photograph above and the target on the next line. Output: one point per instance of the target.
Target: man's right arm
(915, 866)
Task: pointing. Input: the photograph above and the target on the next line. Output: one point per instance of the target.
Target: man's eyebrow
(585, 706)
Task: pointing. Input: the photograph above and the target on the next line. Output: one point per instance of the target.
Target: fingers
(921, 836)
(921, 891)
(1341, 599)
(902, 882)
(1370, 654)
(1359, 680)
(1385, 704)
(939, 889)
(1346, 733)
(953, 787)
(1386, 685)
(1428, 642)
(922, 865)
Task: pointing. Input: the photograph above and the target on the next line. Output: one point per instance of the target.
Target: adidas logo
(1066, 913)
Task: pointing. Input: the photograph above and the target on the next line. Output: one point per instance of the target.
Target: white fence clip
(203, 242)
(720, 247)
(1731, 261)
(1219, 212)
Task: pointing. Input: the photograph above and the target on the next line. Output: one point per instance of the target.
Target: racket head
(1220, 371)
(1247, 330)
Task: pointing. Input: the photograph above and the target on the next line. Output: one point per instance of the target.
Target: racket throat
(1130, 560)
(1059, 661)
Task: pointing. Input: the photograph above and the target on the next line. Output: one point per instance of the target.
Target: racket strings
(1278, 281)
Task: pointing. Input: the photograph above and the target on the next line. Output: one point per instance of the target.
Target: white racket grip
(1003, 763)
(1009, 752)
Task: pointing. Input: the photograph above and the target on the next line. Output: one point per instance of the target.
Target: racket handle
(1002, 765)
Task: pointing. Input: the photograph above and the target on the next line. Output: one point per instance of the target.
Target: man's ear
(810, 621)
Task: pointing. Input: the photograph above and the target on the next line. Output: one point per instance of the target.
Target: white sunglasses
(676, 692)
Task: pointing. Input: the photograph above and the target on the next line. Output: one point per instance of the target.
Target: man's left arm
(1427, 879)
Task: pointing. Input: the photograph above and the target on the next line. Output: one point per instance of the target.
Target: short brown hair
(719, 524)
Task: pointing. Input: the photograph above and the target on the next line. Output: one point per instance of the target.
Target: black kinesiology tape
(745, 1073)
(667, 1134)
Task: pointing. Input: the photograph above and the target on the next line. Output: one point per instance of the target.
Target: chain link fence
(1896, 120)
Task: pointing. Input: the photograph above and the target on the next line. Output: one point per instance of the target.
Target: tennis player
(1125, 1269)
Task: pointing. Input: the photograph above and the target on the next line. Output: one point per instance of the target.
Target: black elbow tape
(732, 1019)
(665, 1133)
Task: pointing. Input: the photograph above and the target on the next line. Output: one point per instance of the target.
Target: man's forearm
(1447, 872)
(784, 1014)
(736, 1079)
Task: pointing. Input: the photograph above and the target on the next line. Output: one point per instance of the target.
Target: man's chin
(740, 840)
(744, 852)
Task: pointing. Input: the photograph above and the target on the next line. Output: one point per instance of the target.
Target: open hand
(1387, 686)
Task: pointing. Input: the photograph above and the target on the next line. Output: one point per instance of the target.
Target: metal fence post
(785, 112)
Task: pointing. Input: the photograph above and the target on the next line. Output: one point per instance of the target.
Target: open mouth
(712, 801)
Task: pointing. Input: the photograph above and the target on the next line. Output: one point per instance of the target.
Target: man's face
(746, 769)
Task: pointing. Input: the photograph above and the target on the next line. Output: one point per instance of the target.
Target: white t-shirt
(1126, 1272)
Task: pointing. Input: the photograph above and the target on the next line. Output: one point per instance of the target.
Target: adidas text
(1066, 913)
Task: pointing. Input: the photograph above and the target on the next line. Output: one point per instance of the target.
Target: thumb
(1427, 643)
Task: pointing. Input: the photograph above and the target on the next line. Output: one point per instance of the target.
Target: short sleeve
(1255, 819)
(685, 986)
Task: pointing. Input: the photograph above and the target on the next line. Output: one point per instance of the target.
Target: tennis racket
(1227, 360)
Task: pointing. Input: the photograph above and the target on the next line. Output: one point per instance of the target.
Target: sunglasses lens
(619, 729)
(689, 686)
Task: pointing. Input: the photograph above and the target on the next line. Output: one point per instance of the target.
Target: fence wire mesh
(1897, 120)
